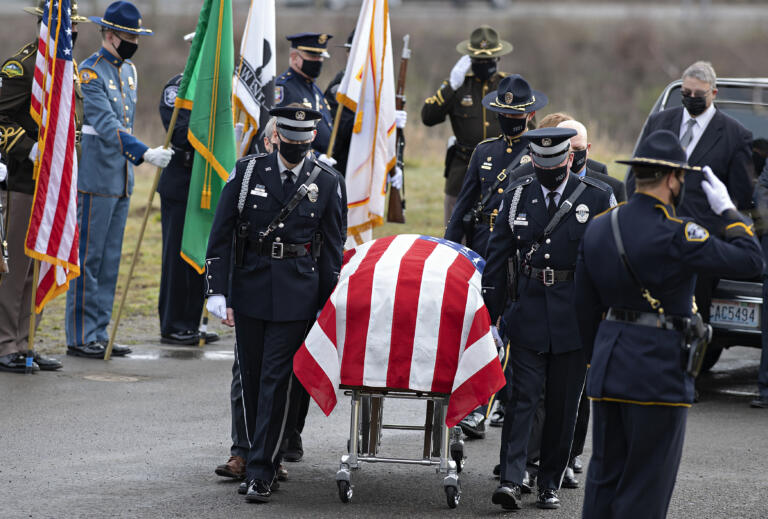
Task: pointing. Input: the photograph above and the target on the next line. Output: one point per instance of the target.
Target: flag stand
(158, 171)
(203, 330)
(32, 318)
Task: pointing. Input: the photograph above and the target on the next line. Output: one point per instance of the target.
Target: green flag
(206, 90)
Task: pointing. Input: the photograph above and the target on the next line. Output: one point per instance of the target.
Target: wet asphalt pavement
(140, 437)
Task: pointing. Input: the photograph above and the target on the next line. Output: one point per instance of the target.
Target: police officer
(180, 301)
(638, 382)
(18, 145)
(105, 180)
(459, 98)
(297, 84)
(541, 221)
(285, 211)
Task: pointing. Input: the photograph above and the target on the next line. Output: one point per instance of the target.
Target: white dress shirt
(283, 168)
(702, 121)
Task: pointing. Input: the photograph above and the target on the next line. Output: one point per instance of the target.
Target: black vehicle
(736, 305)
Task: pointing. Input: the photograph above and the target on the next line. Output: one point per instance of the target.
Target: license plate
(735, 313)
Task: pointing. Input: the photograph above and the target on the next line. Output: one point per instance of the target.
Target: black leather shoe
(258, 491)
(293, 450)
(118, 350)
(16, 363)
(185, 338)
(282, 474)
(548, 499)
(578, 468)
(497, 415)
(242, 488)
(508, 496)
(92, 350)
(211, 337)
(473, 425)
(569, 479)
(760, 403)
(529, 482)
(47, 363)
(497, 471)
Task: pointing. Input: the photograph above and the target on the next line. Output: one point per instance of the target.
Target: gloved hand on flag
(497, 338)
(459, 71)
(401, 117)
(33, 153)
(396, 180)
(3, 172)
(325, 159)
(239, 132)
(159, 156)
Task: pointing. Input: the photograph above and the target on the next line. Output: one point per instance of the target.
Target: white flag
(254, 82)
(368, 89)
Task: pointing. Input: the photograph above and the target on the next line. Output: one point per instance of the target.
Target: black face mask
(74, 38)
(677, 199)
(579, 160)
(551, 178)
(293, 152)
(694, 105)
(484, 69)
(512, 127)
(311, 68)
(126, 49)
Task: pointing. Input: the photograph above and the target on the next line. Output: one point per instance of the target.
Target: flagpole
(32, 318)
(158, 171)
(336, 121)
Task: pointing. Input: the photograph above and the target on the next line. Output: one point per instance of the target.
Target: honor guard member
(638, 266)
(297, 84)
(514, 103)
(18, 146)
(540, 224)
(105, 178)
(284, 212)
(460, 99)
(178, 280)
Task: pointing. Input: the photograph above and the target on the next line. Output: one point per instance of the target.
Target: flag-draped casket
(407, 313)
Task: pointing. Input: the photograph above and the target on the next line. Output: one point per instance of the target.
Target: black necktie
(551, 205)
(287, 183)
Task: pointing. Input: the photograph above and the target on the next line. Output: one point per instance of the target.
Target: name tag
(521, 223)
(259, 191)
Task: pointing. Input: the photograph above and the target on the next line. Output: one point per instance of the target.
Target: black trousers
(180, 302)
(240, 443)
(265, 351)
(582, 424)
(561, 377)
(636, 451)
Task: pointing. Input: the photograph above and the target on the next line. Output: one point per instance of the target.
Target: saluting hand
(717, 194)
(459, 71)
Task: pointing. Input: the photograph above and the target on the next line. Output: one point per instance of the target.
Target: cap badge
(509, 97)
(582, 213)
(483, 44)
(546, 141)
(300, 115)
(322, 39)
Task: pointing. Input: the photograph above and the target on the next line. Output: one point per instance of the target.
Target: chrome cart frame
(443, 446)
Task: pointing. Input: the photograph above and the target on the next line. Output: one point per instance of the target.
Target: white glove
(401, 117)
(3, 172)
(459, 71)
(717, 194)
(497, 338)
(239, 132)
(451, 142)
(33, 153)
(159, 156)
(325, 159)
(396, 180)
(217, 305)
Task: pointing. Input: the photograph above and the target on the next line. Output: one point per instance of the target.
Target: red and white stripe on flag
(407, 313)
(53, 236)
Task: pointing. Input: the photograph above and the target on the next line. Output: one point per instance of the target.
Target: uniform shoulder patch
(87, 75)
(12, 69)
(279, 94)
(695, 232)
(169, 95)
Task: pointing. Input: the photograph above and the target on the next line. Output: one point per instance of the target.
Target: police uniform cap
(550, 146)
(294, 123)
(657, 154)
(38, 11)
(311, 42)
(484, 42)
(348, 44)
(123, 17)
(515, 96)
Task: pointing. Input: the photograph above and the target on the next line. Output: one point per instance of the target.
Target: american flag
(407, 313)
(53, 235)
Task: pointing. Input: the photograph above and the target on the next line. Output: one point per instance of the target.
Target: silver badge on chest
(582, 213)
(312, 192)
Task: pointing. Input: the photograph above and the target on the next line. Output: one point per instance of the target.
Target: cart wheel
(345, 491)
(457, 455)
(452, 496)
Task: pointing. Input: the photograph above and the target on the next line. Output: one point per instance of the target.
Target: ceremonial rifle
(396, 209)
(3, 243)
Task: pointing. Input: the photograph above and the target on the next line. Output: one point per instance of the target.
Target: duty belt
(651, 319)
(280, 250)
(547, 276)
(182, 157)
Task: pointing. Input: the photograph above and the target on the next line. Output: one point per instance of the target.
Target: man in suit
(709, 138)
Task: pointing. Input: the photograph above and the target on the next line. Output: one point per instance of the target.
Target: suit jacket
(619, 191)
(263, 287)
(726, 147)
(597, 166)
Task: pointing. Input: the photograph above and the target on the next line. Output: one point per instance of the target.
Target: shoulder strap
(245, 185)
(565, 207)
(292, 203)
(655, 303)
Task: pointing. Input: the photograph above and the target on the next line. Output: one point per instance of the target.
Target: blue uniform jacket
(288, 289)
(293, 88)
(491, 159)
(543, 318)
(174, 182)
(640, 364)
(109, 104)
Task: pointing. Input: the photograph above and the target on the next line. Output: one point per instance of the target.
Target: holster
(468, 222)
(317, 244)
(513, 275)
(697, 335)
(242, 232)
(449, 155)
